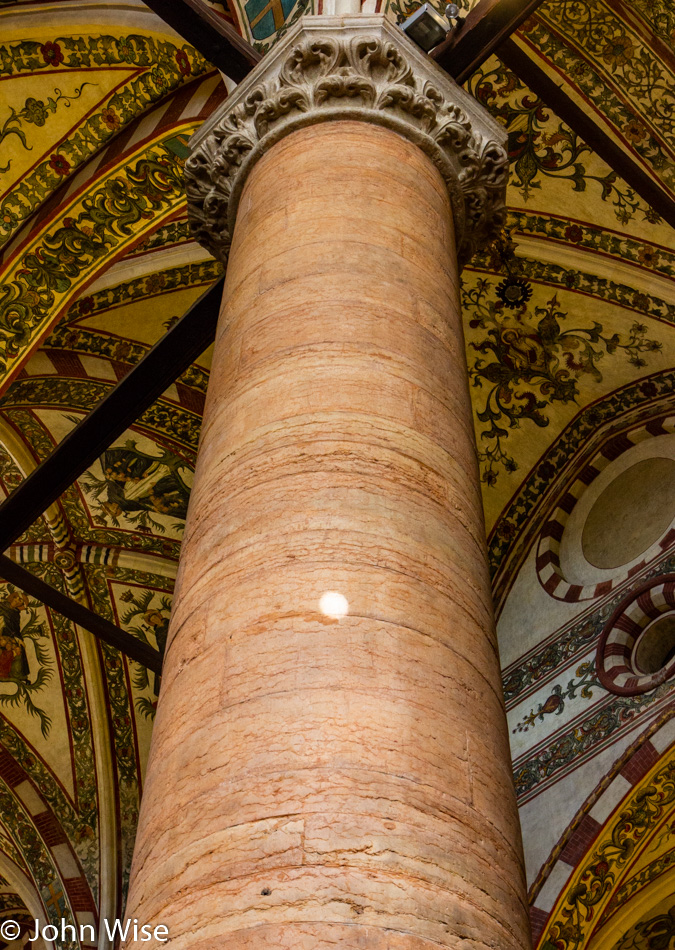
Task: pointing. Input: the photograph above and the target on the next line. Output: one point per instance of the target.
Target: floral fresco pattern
(140, 288)
(610, 719)
(34, 112)
(108, 217)
(655, 933)
(158, 67)
(524, 366)
(542, 146)
(79, 818)
(592, 285)
(147, 617)
(23, 672)
(39, 859)
(616, 71)
(595, 879)
(657, 258)
(119, 686)
(162, 417)
(660, 15)
(555, 703)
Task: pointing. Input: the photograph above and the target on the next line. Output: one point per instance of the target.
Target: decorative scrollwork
(360, 68)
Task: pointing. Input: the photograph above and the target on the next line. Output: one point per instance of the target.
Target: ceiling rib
(586, 128)
(625, 11)
(145, 382)
(217, 41)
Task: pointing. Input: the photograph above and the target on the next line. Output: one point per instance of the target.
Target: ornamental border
(597, 875)
(516, 530)
(548, 568)
(619, 782)
(623, 629)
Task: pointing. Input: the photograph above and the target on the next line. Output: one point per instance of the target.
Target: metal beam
(217, 41)
(143, 384)
(82, 616)
(586, 128)
(485, 28)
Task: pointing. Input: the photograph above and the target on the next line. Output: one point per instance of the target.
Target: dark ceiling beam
(480, 34)
(144, 383)
(586, 127)
(82, 616)
(217, 41)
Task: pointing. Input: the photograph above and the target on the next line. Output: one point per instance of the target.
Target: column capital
(348, 67)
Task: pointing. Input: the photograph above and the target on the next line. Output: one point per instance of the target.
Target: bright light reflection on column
(333, 604)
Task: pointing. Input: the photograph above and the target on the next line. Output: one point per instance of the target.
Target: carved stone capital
(350, 67)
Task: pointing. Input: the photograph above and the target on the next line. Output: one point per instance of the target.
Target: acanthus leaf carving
(361, 68)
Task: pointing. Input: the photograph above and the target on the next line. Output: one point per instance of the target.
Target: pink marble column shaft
(317, 782)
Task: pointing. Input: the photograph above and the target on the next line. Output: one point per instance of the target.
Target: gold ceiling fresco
(620, 896)
(569, 324)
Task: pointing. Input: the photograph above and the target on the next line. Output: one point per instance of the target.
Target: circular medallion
(636, 652)
(613, 518)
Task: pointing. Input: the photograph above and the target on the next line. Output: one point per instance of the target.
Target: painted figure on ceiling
(159, 625)
(140, 482)
(147, 617)
(135, 485)
(25, 664)
(13, 660)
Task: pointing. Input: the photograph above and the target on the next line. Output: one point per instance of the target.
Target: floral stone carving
(357, 67)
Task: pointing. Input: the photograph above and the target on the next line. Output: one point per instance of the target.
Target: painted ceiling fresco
(570, 346)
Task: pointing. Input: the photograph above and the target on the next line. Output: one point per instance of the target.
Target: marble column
(330, 763)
